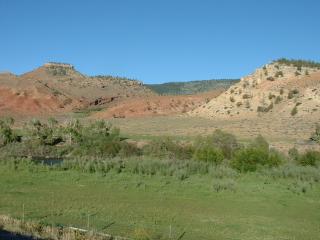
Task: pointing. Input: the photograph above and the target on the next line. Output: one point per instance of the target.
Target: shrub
(297, 63)
(209, 154)
(247, 104)
(265, 109)
(7, 135)
(43, 134)
(293, 93)
(294, 111)
(309, 158)
(278, 74)
(260, 142)
(271, 96)
(293, 154)
(278, 100)
(270, 78)
(246, 96)
(248, 159)
(232, 99)
(281, 91)
(316, 135)
(227, 142)
(167, 148)
(255, 155)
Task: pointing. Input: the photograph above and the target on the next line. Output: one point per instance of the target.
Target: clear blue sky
(158, 40)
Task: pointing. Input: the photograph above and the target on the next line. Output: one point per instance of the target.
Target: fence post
(23, 213)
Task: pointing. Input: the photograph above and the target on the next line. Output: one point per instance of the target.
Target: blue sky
(158, 40)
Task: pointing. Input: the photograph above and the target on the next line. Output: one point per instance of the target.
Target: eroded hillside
(56, 87)
(279, 89)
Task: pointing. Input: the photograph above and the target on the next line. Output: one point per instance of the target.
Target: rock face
(276, 88)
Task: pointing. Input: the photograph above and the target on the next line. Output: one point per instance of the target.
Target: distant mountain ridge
(191, 87)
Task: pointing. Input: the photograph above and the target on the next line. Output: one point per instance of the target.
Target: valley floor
(282, 133)
(137, 206)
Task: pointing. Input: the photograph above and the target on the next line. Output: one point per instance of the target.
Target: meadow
(248, 206)
(212, 188)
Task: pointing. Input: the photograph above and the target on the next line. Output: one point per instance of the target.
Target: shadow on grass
(5, 235)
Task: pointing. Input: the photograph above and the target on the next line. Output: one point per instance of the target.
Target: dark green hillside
(180, 88)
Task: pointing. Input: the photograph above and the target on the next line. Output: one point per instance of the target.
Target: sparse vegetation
(278, 74)
(298, 63)
(246, 96)
(316, 135)
(293, 93)
(278, 100)
(309, 158)
(281, 91)
(265, 108)
(271, 96)
(7, 134)
(294, 111)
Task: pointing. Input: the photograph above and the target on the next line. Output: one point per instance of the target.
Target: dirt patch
(156, 105)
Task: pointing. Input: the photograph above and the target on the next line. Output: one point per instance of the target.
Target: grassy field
(282, 134)
(156, 207)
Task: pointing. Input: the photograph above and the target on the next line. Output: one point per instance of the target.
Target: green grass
(258, 207)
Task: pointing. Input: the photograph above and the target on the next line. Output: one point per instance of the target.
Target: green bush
(43, 134)
(167, 148)
(7, 135)
(220, 140)
(309, 158)
(209, 154)
(249, 159)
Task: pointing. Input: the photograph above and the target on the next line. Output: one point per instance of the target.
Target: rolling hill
(281, 89)
(192, 87)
